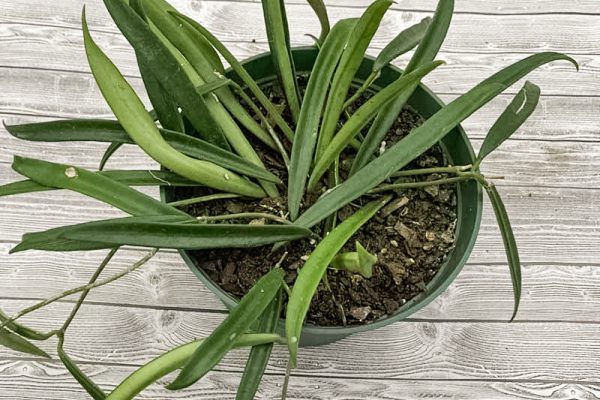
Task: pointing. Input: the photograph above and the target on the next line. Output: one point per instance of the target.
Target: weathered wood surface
(457, 347)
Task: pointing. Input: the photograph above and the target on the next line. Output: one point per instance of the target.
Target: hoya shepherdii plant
(196, 132)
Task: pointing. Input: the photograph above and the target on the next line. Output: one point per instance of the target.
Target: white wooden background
(458, 347)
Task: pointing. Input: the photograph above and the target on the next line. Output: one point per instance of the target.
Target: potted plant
(316, 184)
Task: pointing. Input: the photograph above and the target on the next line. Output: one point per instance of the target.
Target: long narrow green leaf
(405, 41)
(259, 355)
(15, 342)
(517, 112)
(22, 330)
(305, 138)
(510, 245)
(132, 115)
(171, 361)
(279, 43)
(425, 53)
(363, 116)
(110, 150)
(192, 46)
(169, 232)
(112, 131)
(311, 273)
(129, 178)
(423, 137)
(93, 185)
(165, 66)
(90, 387)
(222, 340)
(319, 8)
(240, 71)
(350, 61)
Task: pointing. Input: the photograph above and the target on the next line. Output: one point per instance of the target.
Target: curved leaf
(112, 148)
(22, 330)
(222, 340)
(132, 115)
(305, 137)
(422, 138)
(363, 116)
(93, 185)
(169, 232)
(112, 131)
(510, 245)
(350, 61)
(425, 53)
(517, 112)
(406, 40)
(319, 8)
(90, 387)
(15, 342)
(311, 273)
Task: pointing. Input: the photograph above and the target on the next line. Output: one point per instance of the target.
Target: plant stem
(374, 75)
(202, 199)
(435, 170)
(413, 185)
(244, 216)
(80, 289)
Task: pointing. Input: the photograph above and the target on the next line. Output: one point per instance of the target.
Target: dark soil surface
(412, 237)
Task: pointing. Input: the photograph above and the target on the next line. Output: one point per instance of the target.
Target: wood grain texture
(406, 350)
(30, 376)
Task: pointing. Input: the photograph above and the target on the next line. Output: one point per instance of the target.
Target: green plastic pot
(458, 151)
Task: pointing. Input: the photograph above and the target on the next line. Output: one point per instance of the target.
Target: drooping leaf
(305, 138)
(511, 119)
(112, 148)
(279, 43)
(240, 71)
(510, 245)
(130, 178)
(222, 340)
(406, 40)
(93, 185)
(15, 342)
(425, 53)
(90, 387)
(112, 131)
(362, 116)
(171, 361)
(132, 115)
(350, 61)
(22, 330)
(319, 8)
(311, 273)
(170, 232)
(259, 355)
(422, 138)
(162, 62)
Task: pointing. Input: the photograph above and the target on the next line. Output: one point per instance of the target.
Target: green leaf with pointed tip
(422, 138)
(90, 387)
(22, 330)
(406, 40)
(112, 149)
(259, 355)
(163, 63)
(350, 61)
(425, 53)
(112, 131)
(510, 245)
(93, 185)
(305, 138)
(15, 342)
(240, 71)
(279, 43)
(312, 272)
(362, 116)
(319, 8)
(132, 115)
(169, 232)
(517, 112)
(127, 177)
(222, 340)
(358, 262)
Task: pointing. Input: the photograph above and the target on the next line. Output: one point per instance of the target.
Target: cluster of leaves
(196, 132)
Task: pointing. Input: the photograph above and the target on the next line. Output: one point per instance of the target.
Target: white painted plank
(408, 350)
(48, 381)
